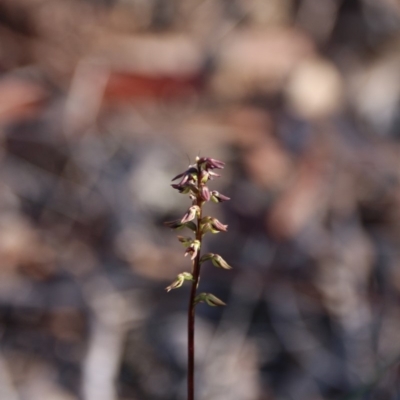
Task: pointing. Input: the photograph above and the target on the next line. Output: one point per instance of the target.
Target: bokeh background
(102, 102)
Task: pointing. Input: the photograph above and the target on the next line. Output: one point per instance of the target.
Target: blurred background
(103, 102)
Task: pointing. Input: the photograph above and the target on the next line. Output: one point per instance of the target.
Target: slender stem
(191, 310)
(191, 319)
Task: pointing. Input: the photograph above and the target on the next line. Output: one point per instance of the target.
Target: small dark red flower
(193, 249)
(210, 163)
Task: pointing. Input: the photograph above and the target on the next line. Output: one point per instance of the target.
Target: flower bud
(216, 259)
(210, 163)
(211, 224)
(191, 214)
(210, 299)
(217, 226)
(214, 301)
(217, 197)
(219, 262)
(205, 193)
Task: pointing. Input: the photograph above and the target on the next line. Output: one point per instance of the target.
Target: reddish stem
(191, 319)
(192, 306)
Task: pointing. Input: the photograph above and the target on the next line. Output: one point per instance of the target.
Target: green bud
(219, 262)
(200, 298)
(216, 259)
(210, 299)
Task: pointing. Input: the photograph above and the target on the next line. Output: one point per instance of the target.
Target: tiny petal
(192, 251)
(213, 175)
